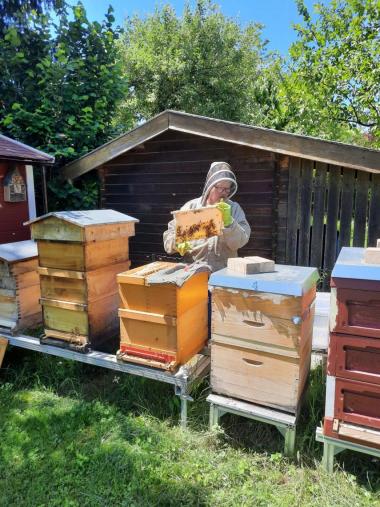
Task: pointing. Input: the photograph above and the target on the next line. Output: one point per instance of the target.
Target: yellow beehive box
(161, 324)
(198, 223)
(80, 254)
(19, 285)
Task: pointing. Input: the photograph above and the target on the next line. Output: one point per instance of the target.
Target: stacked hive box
(262, 328)
(80, 254)
(161, 324)
(19, 285)
(353, 381)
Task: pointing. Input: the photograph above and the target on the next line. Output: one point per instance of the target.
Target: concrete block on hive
(250, 265)
(372, 255)
(198, 223)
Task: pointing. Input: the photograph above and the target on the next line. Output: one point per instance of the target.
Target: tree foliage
(201, 62)
(60, 81)
(333, 87)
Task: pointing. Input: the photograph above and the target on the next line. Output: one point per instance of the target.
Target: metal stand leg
(328, 457)
(214, 415)
(290, 441)
(183, 412)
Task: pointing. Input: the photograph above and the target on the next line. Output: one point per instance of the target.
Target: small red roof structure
(16, 151)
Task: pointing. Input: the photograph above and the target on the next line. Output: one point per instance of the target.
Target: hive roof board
(14, 150)
(18, 251)
(287, 280)
(88, 217)
(350, 264)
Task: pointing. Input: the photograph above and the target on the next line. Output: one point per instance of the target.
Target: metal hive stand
(333, 446)
(182, 380)
(285, 423)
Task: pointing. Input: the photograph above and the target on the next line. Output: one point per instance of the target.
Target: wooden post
(3, 347)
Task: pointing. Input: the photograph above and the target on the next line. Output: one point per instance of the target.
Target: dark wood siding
(329, 207)
(161, 175)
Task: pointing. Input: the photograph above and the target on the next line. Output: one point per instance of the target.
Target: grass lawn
(77, 435)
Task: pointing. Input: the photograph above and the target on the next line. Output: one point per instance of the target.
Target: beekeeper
(219, 188)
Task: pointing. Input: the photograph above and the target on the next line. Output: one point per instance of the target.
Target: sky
(277, 15)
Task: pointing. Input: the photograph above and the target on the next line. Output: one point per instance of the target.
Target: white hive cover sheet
(88, 217)
(18, 251)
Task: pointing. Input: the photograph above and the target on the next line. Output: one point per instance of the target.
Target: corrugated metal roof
(18, 251)
(14, 150)
(88, 217)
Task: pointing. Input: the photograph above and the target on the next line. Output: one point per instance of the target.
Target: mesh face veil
(219, 171)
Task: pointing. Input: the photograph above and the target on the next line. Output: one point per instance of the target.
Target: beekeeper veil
(219, 171)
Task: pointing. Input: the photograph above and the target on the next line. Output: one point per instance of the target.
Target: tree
(201, 63)
(60, 82)
(333, 88)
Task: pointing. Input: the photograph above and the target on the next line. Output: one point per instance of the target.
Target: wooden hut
(17, 200)
(304, 197)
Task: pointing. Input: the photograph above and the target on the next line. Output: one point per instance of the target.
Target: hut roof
(14, 150)
(296, 145)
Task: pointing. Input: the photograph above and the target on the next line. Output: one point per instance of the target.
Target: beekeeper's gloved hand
(183, 248)
(226, 213)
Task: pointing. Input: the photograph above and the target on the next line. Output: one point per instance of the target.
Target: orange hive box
(198, 223)
(161, 325)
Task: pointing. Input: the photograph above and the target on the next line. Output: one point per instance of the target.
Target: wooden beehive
(19, 285)
(161, 325)
(198, 223)
(261, 334)
(353, 395)
(80, 254)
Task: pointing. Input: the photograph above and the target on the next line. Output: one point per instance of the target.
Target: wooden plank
(305, 211)
(67, 337)
(77, 307)
(3, 348)
(155, 318)
(293, 213)
(361, 207)
(348, 189)
(318, 215)
(330, 250)
(66, 320)
(111, 232)
(61, 273)
(28, 300)
(374, 215)
(53, 228)
(116, 147)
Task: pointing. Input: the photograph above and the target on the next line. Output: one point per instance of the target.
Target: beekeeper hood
(219, 171)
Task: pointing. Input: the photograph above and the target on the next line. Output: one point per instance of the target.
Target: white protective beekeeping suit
(216, 250)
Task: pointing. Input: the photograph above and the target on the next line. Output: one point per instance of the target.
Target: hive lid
(350, 264)
(18, 251)
(289, 280)
(88, 217)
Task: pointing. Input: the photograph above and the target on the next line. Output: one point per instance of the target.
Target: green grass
(76, 435)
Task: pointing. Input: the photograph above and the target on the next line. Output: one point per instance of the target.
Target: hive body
(19, 285)
(80, 254)
(262, 335)
(161, 325)
(353, 383)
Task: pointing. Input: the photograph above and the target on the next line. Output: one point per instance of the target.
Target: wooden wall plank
(305, 212)
(361, 207)
(316, 255)
(374, 214)
(293, 198)
(330, 247)
(347, 202)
